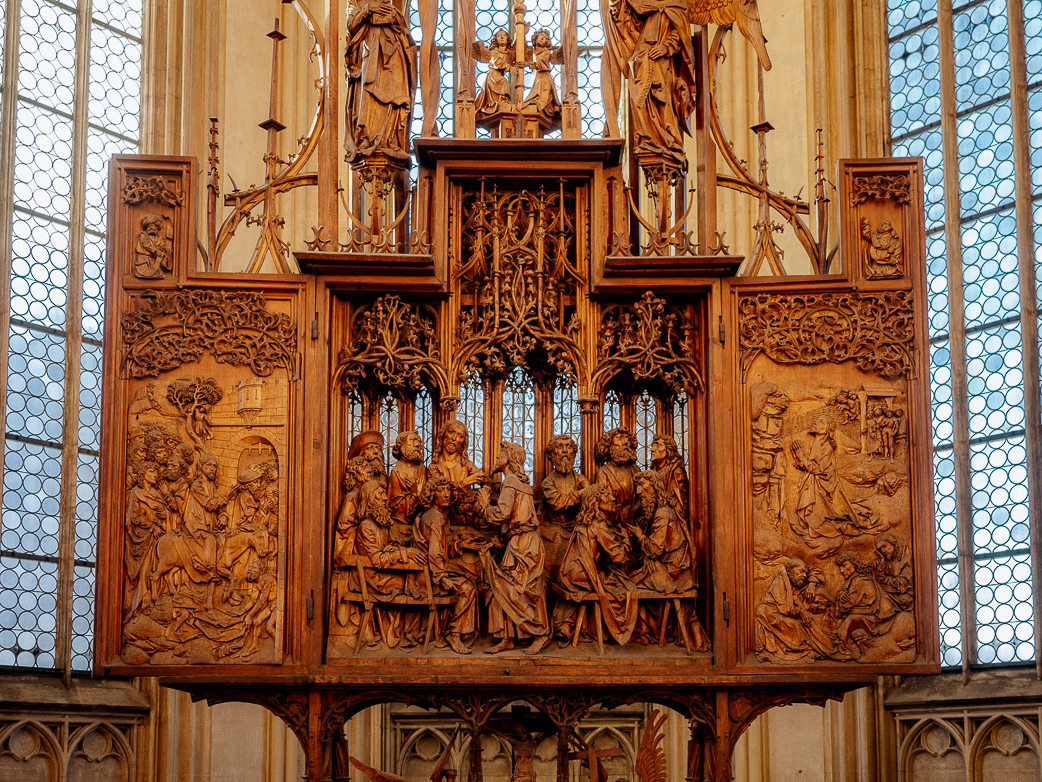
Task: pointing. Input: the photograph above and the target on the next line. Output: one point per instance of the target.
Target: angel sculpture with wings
(542, 97)
(499, 54)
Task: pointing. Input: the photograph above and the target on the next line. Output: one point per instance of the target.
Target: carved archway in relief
(934, 737)
(31, 751)
(96, 746)
(1002, 747)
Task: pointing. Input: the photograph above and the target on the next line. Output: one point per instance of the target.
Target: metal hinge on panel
(314, 329)
(309, 608)
(727, 609)
(721, 331)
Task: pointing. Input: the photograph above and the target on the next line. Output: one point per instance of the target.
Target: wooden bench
(640, 595)
(360, 564)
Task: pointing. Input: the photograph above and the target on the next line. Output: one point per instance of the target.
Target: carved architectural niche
(833, 472)
(882, 222)
(200, 415)
(151, 218)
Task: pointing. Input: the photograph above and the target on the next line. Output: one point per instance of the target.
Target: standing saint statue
(381, 82)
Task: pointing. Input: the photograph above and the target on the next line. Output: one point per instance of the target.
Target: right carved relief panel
(834, 463)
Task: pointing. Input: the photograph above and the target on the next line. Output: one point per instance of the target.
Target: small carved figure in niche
(517, 583)
(650, 46)
(866, 609)
(542, 97)
(495, 94)
(893, 570)
(769, 465)
(370, 445)
(381, 82)
(667, 461)
(823, 511)
(147, 511)
(562, 487)
(431, 535)
(667, 563)
(151, 254)
(358, 472)
(581, 569)
(374, 541)
(885, 254)
(616, 453)
(408, 478)
(787, 629)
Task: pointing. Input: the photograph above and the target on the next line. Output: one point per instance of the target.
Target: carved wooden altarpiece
(496, 434)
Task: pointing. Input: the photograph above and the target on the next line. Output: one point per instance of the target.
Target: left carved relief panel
(200, 394)
(152, 228)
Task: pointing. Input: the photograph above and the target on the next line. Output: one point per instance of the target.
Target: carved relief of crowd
(831, 508)
(199, 552)
(444, 555)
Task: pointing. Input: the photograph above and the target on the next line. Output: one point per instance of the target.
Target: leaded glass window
(472, 414)
(69, 100)
(966, 94)
(519, 409)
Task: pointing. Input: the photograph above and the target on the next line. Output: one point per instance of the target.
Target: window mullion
(1028, 300)
(957, 330)
(8, 123)
(74, 309)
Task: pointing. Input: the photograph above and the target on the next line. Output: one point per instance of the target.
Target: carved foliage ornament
(139, 189)
(884, 188)
(650, 340)
(168, 329)
(393, 342)
(874, 330)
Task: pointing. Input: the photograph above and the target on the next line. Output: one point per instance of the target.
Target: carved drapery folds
(874, 330)
(394, 344)
(518, 273)
(652, 341)
(168, 329)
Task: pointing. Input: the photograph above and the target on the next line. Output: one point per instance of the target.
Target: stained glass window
(472, 414)
(681, 425)
(69, 114)
(567, 417)
(519, 410)
(389, 425)
(956, 100)
(644, 427)
(612, 411)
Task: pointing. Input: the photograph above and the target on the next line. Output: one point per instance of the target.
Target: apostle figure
(201, 521)
(616, 453)
(893, 570)
(146, 515)
(407, 478)
(563, 485)
(668, 564)
(431, 534)
(582, 571)
(373, 541)
(369, 445)
(358, 472)
(174, 488)
(787, 629)
(865, 608)
(449, 458)
(517, 583)
(381, 81)
(669, 464)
